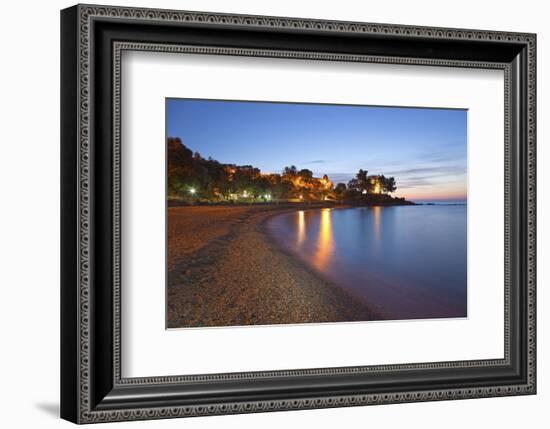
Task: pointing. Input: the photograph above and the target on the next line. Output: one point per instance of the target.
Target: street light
(192, 191)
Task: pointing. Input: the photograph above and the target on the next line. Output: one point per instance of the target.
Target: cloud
(412, 184)
(430, 171)
(316, 161)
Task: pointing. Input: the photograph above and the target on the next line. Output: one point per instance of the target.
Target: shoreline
(242, 276)
(289, 253)
(297, 205)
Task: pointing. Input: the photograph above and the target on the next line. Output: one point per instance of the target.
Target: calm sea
(405, 262)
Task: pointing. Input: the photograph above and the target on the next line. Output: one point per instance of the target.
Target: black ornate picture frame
(92, 39)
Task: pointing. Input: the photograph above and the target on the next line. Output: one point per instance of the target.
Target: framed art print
(264, 213)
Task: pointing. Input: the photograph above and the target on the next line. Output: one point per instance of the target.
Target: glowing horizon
(423, 148)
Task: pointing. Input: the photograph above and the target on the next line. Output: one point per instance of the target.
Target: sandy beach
(225, 270)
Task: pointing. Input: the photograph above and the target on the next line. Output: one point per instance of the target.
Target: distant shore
(379, 200)
(225, 270)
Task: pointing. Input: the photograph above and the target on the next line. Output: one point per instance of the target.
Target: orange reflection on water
(301, 227)
(325, 243)
(377, 222)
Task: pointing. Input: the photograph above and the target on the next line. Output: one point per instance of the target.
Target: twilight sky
(424, 149)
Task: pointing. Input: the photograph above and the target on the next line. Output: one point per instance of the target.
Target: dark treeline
(192, 178)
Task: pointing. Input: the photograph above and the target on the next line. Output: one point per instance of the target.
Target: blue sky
(424, 149)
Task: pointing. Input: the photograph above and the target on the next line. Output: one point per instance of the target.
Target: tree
(290, 172)
(361, 177)
(194, 178)
(388, 184)
(354, 185)
(243, 180)
(304, 173)
(180, 166)
(219, 180)
(327, 183)
(280, 188)
(340, 190)
(361, 182)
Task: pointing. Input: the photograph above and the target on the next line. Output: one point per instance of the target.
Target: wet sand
(225, 270)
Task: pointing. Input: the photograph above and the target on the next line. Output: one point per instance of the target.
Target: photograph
(289, 213)
(280, 208)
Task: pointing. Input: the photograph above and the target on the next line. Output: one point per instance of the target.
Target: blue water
(405, 262)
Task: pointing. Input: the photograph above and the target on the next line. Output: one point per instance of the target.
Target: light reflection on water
(405, 262)
(301, 227)
(325, 245)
